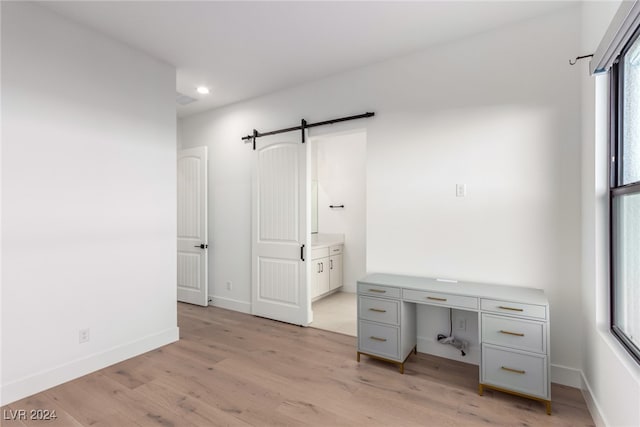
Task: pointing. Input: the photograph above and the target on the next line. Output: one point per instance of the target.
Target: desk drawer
(513, 370)
(515, 333)
(378, 291)
(514, 308)
(379, 340)
(379, 310)
(436, 298)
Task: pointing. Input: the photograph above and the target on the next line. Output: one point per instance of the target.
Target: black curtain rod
(304, 125)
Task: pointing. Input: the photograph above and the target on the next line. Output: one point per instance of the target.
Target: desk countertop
(481, 290)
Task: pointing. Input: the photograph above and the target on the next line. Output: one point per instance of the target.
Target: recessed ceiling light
(203, 90)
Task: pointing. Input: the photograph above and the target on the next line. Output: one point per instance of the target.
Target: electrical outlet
(462, 324)
(461, 190)
(229, 285)
(83, 336)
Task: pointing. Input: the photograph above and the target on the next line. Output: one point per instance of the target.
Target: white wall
(499, 111)
(611, 379)
(88, 199)
(342, 180)
(1, 364)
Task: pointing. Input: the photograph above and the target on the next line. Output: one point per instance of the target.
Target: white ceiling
(245, 49)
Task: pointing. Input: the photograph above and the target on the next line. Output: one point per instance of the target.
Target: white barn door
(192, 226)
(280, 228)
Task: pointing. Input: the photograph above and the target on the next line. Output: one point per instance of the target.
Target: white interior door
(280, 228)
(192, 226)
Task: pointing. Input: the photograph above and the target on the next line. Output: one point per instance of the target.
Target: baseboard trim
(431, 346)
(592, 404)
(230, 304)
(38, 382)
(566, 376)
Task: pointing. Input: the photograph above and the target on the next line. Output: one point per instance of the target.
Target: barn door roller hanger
(303, 125)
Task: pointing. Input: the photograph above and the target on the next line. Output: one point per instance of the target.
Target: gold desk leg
(402, 368)
(415, 350)
(358, 357)
(547, 403)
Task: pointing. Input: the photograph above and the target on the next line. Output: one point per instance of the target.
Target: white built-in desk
(513, 327)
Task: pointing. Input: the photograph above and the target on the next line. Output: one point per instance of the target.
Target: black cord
(450, 322)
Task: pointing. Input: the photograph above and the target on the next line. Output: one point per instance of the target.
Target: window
(625, 197)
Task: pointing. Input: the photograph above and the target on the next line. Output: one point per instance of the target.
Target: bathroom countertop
(320, 240)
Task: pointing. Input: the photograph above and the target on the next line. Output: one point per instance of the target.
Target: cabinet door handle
(510, 308)
(330, 264)
(318, 268)
(436, 299)
(321, 267)
(378, 339)
(378, 310)
(380, 291)
(302, 253)
(515, 371)
(517, 334)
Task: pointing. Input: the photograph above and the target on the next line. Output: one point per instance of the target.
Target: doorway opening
(338, 228)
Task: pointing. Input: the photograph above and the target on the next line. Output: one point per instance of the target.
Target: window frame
(616, 188)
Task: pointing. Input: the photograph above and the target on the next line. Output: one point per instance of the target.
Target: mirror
(314, 207)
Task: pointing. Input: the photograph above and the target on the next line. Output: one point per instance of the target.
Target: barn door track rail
(303, 125)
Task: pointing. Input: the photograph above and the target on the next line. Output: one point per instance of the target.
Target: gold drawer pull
(378, 310)
(516, 371)
(380, 291)
(381, 339)
(518, 334)
(437, 299)
(510, 308)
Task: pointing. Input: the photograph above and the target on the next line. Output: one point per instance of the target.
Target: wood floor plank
(250, 402)
(189, 408)
(232, 369)
(132, 373)
(78, 398)
(97, 393)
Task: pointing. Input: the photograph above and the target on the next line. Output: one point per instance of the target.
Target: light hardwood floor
(234, 369)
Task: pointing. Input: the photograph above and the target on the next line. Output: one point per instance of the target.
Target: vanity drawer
(379, 340)
(317, 253)
(514, 370)
(437, 298)
(379, 310)
(514, 308)
(335, 249)
(515, 333)
(378, 290)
